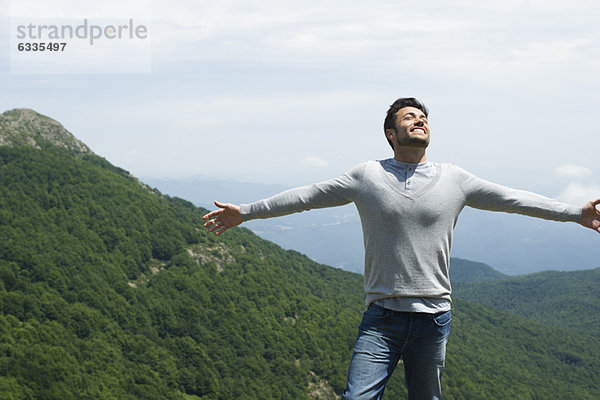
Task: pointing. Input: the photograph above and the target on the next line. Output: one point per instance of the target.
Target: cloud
(313, 161)
(131, 156)
(514, 43)
(572, 171)
(32, 9)
(582, 186)
(212, 111)
(332, 223)
(281, 79)
(578, 194)
(491, 44)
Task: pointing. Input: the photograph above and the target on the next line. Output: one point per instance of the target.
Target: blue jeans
(383, 337)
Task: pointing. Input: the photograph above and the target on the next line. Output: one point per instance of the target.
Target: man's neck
(413, 155)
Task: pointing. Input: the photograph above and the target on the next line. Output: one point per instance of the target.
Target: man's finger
(211, 222)
(209, 215)
(212, 214)
(223, 229)
(214, 227)
(220, 205)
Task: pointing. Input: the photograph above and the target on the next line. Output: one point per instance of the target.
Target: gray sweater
(407, 236)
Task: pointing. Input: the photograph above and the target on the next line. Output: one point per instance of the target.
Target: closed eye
(410, 116)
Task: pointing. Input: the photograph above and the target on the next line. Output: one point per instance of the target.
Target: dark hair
(390, 118)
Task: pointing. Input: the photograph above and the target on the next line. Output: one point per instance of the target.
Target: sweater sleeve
(330, 193)
(491, 196)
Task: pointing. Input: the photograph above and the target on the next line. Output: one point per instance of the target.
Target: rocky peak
(25, 127)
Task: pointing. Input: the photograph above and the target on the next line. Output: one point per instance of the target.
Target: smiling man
(408, 208)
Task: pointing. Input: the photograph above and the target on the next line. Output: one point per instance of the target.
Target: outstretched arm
(330, 193)
(491, 196)
(590, 215)
(226, 217)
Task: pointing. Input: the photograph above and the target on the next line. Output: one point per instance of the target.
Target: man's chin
(417, 142)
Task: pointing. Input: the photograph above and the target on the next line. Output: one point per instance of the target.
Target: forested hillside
(565, 299)
(111, 290)
(470, 271)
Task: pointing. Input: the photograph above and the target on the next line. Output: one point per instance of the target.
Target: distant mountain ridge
(470, 271)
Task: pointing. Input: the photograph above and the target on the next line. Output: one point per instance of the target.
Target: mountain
(471, 271)
(564, 299)
(109, 289)
(25, 127)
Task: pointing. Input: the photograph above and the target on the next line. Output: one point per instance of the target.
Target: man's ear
(389, 133)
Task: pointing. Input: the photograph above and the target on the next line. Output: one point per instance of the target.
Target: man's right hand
(226, 217)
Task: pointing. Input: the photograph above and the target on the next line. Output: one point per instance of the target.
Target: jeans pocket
(442, 319)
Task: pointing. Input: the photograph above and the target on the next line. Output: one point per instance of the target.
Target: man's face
(412, 128)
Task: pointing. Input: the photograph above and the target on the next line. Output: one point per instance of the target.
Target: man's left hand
(590, 216)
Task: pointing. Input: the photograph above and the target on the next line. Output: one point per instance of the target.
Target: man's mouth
(419, 130)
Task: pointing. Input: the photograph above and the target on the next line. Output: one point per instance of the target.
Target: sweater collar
(418, 166)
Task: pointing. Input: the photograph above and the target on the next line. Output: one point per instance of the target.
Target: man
(408, 208)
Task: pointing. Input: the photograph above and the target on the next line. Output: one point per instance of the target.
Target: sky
(292, 93)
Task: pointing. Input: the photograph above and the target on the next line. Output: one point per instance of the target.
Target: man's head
(407, 116)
